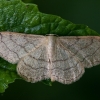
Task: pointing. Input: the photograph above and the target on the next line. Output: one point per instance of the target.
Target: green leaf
(25, 18)
(6, 77)
(47, 82)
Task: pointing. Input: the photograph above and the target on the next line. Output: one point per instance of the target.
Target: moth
(59, 58)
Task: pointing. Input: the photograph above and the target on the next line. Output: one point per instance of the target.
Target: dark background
(88, 87)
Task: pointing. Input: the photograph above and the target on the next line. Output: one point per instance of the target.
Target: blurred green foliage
(28, 1)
